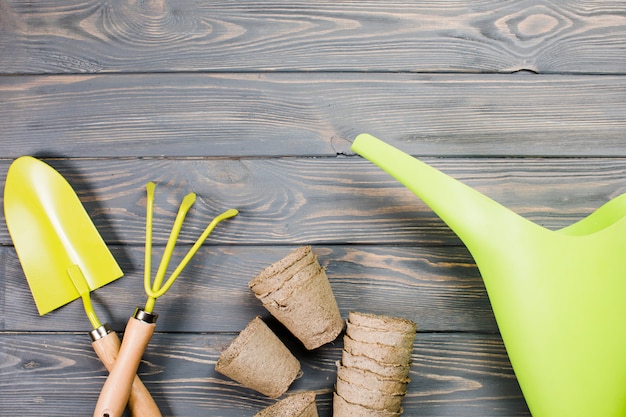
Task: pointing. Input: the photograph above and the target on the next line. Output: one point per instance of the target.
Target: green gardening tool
(63, 255)
(558, 296)
(141, 325)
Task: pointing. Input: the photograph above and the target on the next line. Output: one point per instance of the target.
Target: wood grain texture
(254, 105)
(435, 287)
(437, 36)
(287, 201)
(58, 374)
(258, 115)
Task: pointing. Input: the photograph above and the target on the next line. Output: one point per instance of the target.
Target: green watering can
(559, 297)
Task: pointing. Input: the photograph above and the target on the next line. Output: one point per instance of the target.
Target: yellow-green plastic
(156, 289)
(54, 236)
(81, 285)
(559, 297)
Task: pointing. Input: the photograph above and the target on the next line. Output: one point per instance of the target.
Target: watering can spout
(474, 217)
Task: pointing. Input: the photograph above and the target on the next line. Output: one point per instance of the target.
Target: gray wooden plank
(240, 115)
(437, 36)
(436, 287)
(347, 200)
(58, 374)
(254, 105)
(15, 272)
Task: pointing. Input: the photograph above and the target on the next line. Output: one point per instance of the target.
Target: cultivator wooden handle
(117, 388)
(106, 344)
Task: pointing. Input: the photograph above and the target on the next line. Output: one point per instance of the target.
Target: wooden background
(254, 105)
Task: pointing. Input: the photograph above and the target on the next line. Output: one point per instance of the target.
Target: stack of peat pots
(373, 374)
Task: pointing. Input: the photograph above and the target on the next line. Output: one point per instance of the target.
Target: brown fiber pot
(257, 359)
(296, 291)
(294, 405)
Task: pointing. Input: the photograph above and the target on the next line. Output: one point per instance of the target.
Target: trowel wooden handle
(116, 390)
(140, 403)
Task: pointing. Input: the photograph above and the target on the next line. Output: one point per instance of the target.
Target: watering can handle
(116, 390)
(140, 403)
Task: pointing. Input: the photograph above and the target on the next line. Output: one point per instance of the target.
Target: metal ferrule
(145, 316)
(100, 332)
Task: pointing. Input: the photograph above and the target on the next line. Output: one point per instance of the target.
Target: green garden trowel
(559, 297)
(63, 255)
